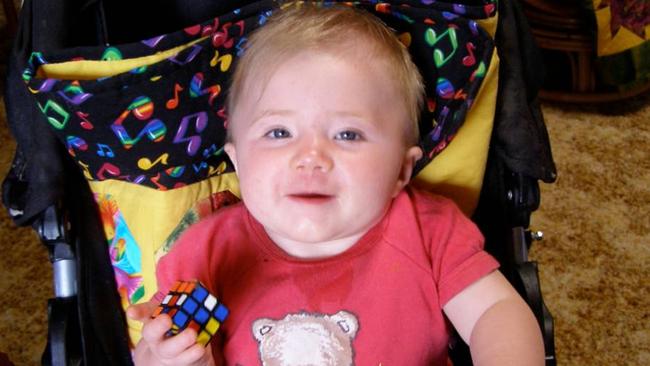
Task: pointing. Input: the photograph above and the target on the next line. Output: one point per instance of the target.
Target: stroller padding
(457, 172)
(96, 69)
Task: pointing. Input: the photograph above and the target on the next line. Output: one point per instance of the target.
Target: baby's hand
(155, 348)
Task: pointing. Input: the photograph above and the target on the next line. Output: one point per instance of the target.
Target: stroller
(66, 176)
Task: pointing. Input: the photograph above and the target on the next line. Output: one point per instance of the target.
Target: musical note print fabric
(152, 112)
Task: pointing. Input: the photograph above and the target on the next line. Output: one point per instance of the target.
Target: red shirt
(378, 303)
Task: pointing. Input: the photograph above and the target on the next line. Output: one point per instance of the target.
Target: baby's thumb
(141, 312)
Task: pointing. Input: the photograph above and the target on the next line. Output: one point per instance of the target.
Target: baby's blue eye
(278, 133)
(348, 136)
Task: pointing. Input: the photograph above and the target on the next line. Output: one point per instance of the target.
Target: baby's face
(320, 150)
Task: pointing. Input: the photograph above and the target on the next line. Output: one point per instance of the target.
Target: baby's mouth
(313, 198)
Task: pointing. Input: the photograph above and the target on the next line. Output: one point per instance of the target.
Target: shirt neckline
(365, 243)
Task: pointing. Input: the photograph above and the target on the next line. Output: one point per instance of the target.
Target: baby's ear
(411, 156)
(229, 148)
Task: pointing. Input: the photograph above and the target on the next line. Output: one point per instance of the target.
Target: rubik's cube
(189, 304)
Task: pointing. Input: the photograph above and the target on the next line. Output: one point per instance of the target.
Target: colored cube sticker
(189, 304)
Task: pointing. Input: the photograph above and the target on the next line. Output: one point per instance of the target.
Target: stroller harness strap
(152, 112)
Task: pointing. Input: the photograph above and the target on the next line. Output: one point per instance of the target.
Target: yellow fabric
(457, 172)
(152, 215)
(489, 25)
(623, 40)
(94, 69)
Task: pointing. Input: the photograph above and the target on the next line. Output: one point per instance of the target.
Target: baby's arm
(496, 323)
(156, 349)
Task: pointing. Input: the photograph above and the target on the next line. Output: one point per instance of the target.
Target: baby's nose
(314, 157)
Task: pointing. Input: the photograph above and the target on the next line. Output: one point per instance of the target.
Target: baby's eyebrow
(272, 113)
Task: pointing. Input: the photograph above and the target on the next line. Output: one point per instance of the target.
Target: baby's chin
(314, 244)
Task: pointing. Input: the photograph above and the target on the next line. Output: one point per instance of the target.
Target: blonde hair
(301, 26)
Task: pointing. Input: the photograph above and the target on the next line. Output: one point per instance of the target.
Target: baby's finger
(194, 355)
(172, 347)
(141, 312)
(154, 329)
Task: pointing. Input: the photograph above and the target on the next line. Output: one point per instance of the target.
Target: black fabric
(520, 136)
(35, 180)
(104, 337)
(42, 174)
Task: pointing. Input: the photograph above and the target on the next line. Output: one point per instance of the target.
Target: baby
(331, 258)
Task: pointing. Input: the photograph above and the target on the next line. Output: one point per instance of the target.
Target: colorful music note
(479, 72)
(108, 168)
(105, 151)
(449, 15)
(85, 123)
(146, 164)
(196, 90)
(224, 61)
(153, 42)
(202, 165)
(489, 9)
(74, 94)
(261, 20)
(60, 117)
(154, 130)
(431, 104)
(473, 27)
(193, 30)
(459, 8)
(444, 88)
(175, 172)
(469, 60)
(460, 94)
(155, 180)
(141, 108)
(223, 38)
(45, 86)
(383, 8)
(442, 117)
(212, 150)
(200, 123)
(112, 54)
(218, 170)
(173, 103)
(240, 46)
(194, 50)
(74, 142)
(139, 179)
(435, 134)
(432, 39)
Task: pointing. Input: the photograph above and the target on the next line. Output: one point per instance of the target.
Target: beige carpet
(595, 260)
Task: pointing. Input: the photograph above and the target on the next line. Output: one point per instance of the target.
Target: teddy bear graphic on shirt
(307, 339)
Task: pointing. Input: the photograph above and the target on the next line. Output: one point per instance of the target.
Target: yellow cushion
(150, 216)
(457, 172)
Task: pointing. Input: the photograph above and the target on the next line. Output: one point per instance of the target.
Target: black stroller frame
(86, 324)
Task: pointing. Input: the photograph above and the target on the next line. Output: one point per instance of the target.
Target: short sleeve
(459, 259)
